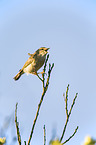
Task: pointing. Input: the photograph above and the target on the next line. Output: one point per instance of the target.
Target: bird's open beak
(47, 49)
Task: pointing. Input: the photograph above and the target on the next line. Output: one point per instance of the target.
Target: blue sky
(69, 29)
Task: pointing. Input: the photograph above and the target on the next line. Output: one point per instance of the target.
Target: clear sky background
(68, 27)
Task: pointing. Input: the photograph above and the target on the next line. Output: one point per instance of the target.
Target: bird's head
(43, 51)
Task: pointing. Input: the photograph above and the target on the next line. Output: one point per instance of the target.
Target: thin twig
(17, 126)
(66, 101)
(46, 63)
(39, 77)
(73, 103)
(44, 135)
(71, 135)
(67, 119)
(37, 113)
(43, 75)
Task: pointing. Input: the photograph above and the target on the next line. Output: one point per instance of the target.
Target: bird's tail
(18, 75)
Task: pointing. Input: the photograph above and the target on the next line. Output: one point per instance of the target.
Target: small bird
(34, 62)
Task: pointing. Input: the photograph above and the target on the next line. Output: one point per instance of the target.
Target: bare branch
(73, 103)
(17, 126)
(66, 101)
(67, 114)
(71, 135)
(44, 135)
(45, 87)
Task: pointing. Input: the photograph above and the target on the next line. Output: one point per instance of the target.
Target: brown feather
(18, 75)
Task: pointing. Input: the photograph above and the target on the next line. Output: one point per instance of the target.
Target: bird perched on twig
(34, 62)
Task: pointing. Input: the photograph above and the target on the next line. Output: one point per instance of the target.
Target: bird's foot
(42, 73)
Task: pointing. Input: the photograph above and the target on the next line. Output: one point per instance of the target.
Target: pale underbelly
(28, 69)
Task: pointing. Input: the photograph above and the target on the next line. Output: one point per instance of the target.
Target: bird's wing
(28, 62)
(30, 54)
